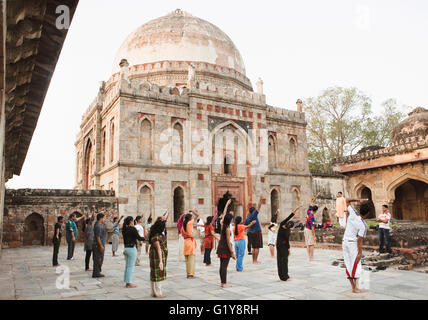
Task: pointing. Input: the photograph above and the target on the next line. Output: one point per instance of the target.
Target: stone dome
(415, 125)
(179, 36)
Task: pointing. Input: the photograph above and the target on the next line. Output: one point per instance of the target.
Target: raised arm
(165, 215)
(349, 200)
(195, 213)
(315, 199)
(226, 206)
(120, 219)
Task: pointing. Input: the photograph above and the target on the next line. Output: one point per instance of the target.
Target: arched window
(178, 203)
(145, 147)
(293, 153)
(274, 202)
(177, 143)
(145, 202)
(112, 142)
(88, 164)
(103, 147)
(271, 152)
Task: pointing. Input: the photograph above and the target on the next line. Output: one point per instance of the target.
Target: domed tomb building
(178, 126)
(396, 175)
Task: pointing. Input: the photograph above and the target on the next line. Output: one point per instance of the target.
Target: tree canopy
(341, 122)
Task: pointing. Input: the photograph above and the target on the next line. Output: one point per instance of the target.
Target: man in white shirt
(352, 244)
(384, 218)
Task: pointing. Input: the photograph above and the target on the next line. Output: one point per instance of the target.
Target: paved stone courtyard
(26, 273)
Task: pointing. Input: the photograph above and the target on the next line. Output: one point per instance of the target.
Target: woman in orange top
(209, 240)
(189, 250)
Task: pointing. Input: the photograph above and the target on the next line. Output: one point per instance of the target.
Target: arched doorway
(178, 203)
(366, 193)
(274, 202)
(34, 230)
(411, 201)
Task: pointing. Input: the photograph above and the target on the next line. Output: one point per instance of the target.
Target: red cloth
(209, 238)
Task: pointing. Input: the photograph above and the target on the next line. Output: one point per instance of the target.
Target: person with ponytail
(224, 249)
(130, 238)
(208, 240)
(239, 237)
(189, 249)
(158, 254)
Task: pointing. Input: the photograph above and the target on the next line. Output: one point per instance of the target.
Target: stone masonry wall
(30, 214)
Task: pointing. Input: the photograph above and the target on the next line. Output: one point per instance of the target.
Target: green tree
(341, 122)
(336, 124)
(379, 128)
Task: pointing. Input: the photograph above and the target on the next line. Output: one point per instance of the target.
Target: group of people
(95, 236)
(217, 233)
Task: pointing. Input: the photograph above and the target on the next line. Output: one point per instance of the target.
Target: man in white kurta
(352, 243)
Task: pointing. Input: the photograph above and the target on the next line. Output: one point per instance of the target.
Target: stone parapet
(274, 113)
(402, 146)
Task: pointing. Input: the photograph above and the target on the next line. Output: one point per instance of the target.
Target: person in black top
(283, 246)
(130, 238)
(57, 240)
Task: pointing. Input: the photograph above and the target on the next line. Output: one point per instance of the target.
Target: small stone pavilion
(396, 175)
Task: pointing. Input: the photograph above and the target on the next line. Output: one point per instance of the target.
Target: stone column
(299, 105)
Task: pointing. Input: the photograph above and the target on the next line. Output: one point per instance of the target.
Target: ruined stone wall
(383, 183)
(329, 184)
(31, 214)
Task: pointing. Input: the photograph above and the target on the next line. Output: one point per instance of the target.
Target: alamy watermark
(63, 20)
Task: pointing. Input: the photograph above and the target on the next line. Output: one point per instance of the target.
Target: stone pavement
(26, 273)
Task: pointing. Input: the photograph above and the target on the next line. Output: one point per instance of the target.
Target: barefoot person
(137, 225)
(130, 238)
(158, 255)
(352, 243)
(115, 238)
(189, 250)
(98, 246)
(225, 249)
(255, 232)
(180, 237)
(208, 240)
(273, 233)
(309, 232)
(283, 245)
(240, 245)
(88, 229)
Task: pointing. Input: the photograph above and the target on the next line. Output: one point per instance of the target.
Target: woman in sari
(158, 255)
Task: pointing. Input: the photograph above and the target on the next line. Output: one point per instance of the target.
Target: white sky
(298, 48)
